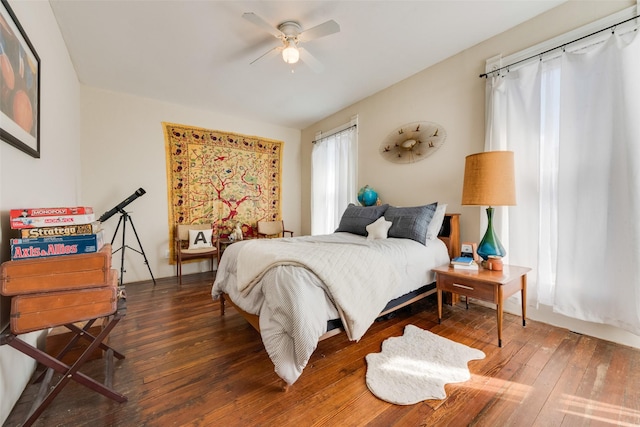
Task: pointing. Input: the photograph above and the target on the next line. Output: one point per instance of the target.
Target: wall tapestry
(222, 178)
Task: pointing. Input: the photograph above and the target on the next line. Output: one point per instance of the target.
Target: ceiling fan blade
(321, 30)
(310, 60)
(270, 52)
(256, 20)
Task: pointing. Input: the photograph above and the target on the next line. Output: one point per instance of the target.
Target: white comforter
(296, 285)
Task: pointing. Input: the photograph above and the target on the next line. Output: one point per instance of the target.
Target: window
(334, 161)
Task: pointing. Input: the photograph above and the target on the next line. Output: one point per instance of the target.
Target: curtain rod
(334, 133)
(497, 70)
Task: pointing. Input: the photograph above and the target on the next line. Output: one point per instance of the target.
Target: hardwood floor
(187, 365)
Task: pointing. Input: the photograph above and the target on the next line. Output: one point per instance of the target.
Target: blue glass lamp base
(490, 244)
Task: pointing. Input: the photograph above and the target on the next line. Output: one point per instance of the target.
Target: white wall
(123, 149)
(51, 180)
(451, 94)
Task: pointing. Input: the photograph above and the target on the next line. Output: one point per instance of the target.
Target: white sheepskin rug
(417, 365)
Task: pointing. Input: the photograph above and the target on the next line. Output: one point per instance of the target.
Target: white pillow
(436, 222)
(199, 239)
(378, 229)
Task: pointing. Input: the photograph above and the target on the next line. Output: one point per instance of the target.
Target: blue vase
(490, 244)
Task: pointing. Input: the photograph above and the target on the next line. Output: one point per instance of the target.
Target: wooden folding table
(71, 372)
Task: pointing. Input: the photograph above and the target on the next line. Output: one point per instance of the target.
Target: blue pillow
(356, 218)
(410, 223)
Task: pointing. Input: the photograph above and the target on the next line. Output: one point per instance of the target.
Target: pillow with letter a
(199, 239)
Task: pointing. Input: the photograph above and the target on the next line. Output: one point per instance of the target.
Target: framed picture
(470, 249)
(19, 85)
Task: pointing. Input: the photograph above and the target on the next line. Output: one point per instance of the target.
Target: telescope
(119, 208)
(124, 218)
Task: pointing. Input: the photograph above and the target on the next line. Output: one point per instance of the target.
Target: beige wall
(123, 149)
(451, 94)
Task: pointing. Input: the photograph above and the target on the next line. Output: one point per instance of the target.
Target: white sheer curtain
(334, 162)
(573, 125)
(514, 123)
(599, 185)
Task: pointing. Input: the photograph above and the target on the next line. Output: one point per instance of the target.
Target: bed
(297, 291)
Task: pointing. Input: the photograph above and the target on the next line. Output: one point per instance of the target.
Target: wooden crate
(52, 274)
(34, 312)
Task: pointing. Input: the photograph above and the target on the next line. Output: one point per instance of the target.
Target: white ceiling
(198, 53)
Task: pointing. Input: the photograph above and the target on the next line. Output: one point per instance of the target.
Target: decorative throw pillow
(356, 218)
(436, 222)
(199, 239)
(378, 229)
(410, 223)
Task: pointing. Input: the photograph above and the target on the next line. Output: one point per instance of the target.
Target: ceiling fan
(291, 35)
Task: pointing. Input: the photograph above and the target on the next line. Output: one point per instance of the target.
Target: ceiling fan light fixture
(290, 53)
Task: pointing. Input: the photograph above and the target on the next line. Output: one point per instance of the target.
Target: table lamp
(489, 181)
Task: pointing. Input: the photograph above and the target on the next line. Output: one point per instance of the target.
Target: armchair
(272, 229)
(195, 241)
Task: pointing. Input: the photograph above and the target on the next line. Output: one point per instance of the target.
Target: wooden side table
(223, 243)
(485, 285)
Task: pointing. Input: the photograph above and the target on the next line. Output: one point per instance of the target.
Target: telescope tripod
(124, 218)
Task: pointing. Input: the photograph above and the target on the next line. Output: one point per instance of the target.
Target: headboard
(450, 233)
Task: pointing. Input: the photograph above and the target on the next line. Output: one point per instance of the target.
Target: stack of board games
(46, 232)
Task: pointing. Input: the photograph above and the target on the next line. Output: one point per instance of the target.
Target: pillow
(356, 218)
(199, 239)
(378, 229)
(436, 222)
(410, 223)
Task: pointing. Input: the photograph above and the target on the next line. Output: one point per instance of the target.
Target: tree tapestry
(222, 178)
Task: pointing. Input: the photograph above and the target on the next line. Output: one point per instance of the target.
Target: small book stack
(464, 263)
(46, 232)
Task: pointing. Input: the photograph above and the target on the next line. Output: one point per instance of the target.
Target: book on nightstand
(467, 267)
(462, 260)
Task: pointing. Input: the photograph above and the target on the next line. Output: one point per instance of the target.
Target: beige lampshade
(489, 179)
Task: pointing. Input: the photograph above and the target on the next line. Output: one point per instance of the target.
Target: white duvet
(296, 285)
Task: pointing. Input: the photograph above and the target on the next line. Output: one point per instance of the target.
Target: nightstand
(485, 285)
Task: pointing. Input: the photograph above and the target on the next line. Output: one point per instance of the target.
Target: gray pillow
(356, 218)
(410, 223)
